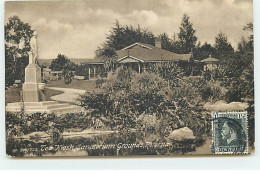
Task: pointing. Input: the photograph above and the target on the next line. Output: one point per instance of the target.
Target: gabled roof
(149, 53)
(138, 51)
(139, 44)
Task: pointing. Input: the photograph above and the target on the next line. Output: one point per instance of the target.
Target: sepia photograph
(127, 78)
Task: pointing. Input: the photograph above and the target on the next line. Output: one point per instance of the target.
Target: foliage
(123, 36)
(166, 42)
(109, 105)
(213, 91)
(119, 38)
(149, 94)
(62, 63)
(99, 82)
(223, 48)
(187, 34)
(186, 38)
(17, 46)
(250, 28)
(237, 69)
(127, 98)
(204, 51)
(20, 123)
(59, 63)
(169, 71)
(82, 70)
(67, 72)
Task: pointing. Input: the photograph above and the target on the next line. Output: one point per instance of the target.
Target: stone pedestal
(30, 86)
(33, 73)
(33, 90)
(42, 107)
(30, 92)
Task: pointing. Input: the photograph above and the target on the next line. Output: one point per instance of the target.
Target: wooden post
(144, 68)
(94, 71)
(89, 73)
(139, 68)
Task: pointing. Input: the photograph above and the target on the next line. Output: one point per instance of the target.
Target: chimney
(158, 42)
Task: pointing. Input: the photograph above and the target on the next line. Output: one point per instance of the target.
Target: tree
(238, 67)
(17, 46)
(246, 57)
(62, 63)
(178, 47)
(123, 36)
(250, 27)
(223, 48)
(187, 34)
(82, 70)
(204, 51)
(67, 72)
(59, 63)
(166, 42)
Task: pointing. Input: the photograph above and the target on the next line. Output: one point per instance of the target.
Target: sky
(77, 28)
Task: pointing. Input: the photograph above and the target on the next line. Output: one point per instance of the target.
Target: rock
(37, 137)
(181, 134)
(37, 134)
(224, 106)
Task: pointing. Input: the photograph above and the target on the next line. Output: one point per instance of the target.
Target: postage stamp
(229, 133)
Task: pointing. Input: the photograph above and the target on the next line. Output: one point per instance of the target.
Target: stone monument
(32, 74)
(32, 89)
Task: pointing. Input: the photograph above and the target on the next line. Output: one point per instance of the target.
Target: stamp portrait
(229, 133)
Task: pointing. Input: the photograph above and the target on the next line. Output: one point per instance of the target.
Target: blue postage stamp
(229, 133)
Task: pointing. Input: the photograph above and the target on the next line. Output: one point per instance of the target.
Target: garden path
(69, 95)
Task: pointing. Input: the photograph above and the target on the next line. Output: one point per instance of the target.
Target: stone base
(46, 106)
(30, 92)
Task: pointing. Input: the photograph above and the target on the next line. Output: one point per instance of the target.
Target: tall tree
(17, 46)
(123, 36)
(204, 51)
(62, 63)
(166, 42)
(187, 34)
(59, 63)
(223, 48)
(250, 28)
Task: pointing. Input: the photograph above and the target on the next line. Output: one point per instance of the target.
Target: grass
(50, 92)
(13, 94)
(88, 85)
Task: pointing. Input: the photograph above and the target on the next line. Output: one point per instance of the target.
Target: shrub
(20, 123)
(128, 96)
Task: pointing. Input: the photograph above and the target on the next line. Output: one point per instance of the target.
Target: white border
(238, 163)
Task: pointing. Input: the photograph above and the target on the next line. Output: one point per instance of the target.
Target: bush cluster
(127, 98)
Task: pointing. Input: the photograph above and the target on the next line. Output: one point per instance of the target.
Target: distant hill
(47, 62)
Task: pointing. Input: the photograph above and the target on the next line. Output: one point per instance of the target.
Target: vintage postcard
(129, 78)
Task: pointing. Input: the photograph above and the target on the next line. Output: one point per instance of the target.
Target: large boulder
(224, 106)
(181, 134)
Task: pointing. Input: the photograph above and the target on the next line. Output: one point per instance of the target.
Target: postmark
(229, 133)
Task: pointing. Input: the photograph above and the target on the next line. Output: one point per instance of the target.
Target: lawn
(13, 94)
(88, 85)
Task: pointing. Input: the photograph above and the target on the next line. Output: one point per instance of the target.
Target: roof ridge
(137, 43)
